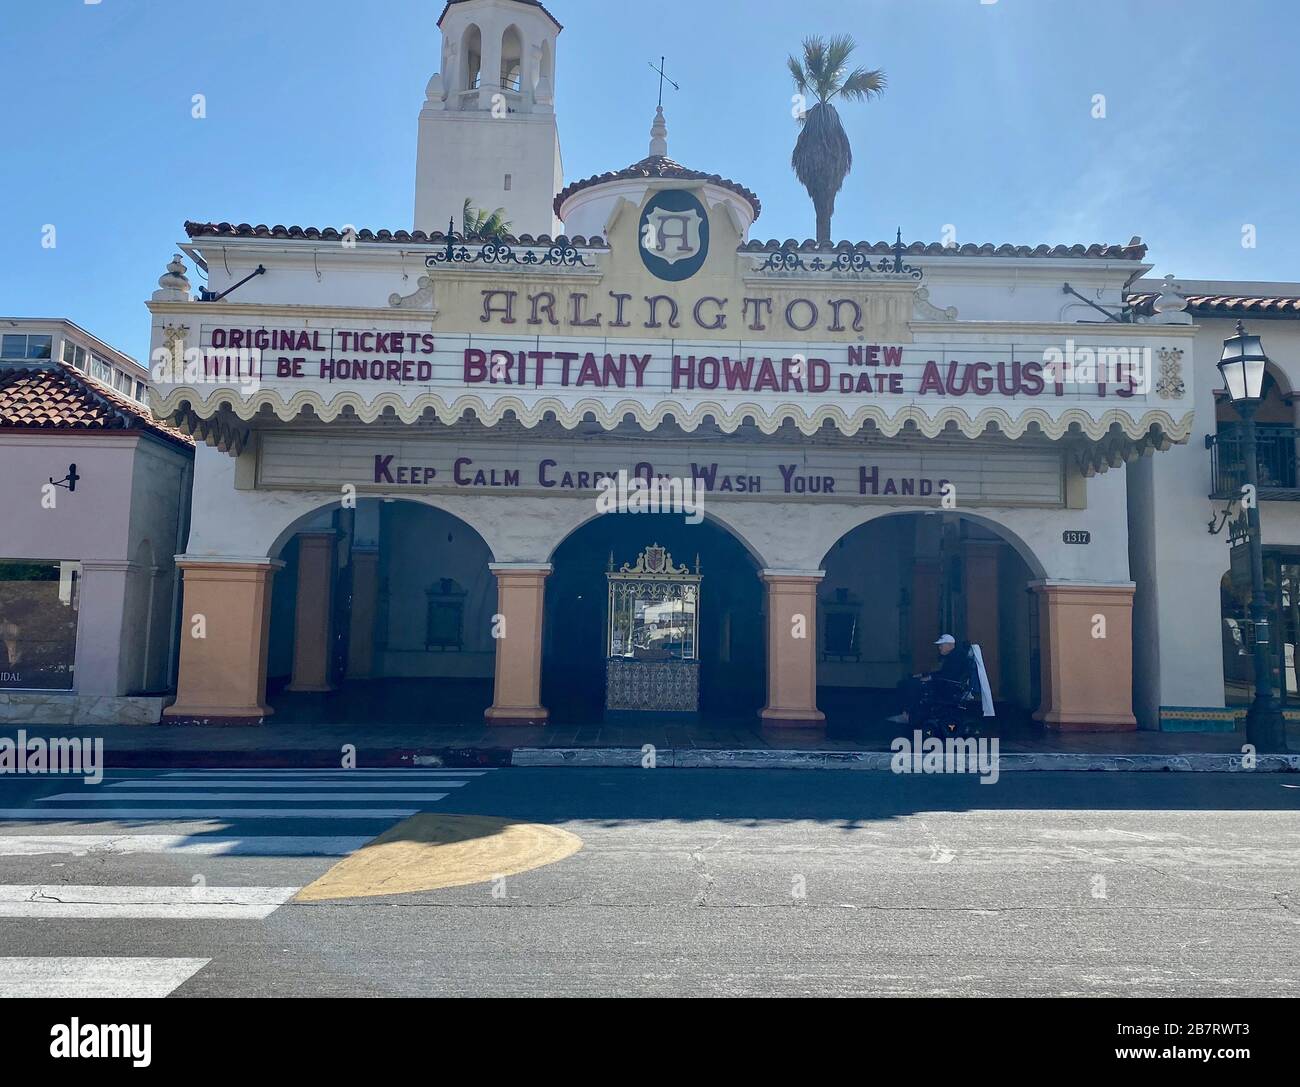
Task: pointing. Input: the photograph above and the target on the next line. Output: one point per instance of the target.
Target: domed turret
(586, 206)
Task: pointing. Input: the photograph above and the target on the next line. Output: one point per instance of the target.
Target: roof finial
(659, 135)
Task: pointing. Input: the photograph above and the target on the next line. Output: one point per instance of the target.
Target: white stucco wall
(781, 535)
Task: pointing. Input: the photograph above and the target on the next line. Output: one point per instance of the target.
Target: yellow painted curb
(431, 851)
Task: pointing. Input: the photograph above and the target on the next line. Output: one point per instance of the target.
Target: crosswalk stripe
(235, 798)
(267, 845)
(236, 786)
(91, 977)
(187, 903)
(154, 815)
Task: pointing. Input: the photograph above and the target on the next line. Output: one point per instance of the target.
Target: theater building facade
(409, 444)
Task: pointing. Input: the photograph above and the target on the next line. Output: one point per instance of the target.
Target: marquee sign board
(1088, 384)
(731, 471)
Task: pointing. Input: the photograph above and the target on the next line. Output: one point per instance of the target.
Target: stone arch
(995, 526)
(730, 647)
(898, 579)
(710, 516)
(512, 59)
(382, 609)
(471, 57)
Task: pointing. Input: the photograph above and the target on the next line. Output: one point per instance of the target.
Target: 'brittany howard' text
(360, 359)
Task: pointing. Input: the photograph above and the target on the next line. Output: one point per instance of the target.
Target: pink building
(96, 495)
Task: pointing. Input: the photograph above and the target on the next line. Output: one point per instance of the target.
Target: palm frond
(862, 84)
(798, 75)
(838, 51)
(480, 223)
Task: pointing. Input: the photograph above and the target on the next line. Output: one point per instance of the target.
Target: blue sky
(987, 124)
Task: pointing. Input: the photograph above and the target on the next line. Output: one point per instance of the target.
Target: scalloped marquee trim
(767, 420)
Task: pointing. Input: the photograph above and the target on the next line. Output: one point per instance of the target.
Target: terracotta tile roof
(1134, 250)
(1224, 305)
(530, 3)
(330, 234)
(657, 166)
(57, 397)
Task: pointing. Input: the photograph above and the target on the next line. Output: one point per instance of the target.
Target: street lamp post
(1242, 366)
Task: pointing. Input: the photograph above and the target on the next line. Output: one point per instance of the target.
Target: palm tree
(479, 223)
(822, 156)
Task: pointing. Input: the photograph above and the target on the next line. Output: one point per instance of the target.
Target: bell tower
(487, 130)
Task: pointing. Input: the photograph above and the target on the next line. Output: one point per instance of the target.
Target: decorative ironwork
(1234, 517)
(658, 562)
(789, 259)
(1277, 459)
(560, 253)
(1169, 386)
(653, 608)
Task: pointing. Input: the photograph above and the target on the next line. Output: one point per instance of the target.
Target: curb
(673, 758)
(697, 759)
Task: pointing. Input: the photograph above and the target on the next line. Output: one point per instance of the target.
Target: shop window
(1282, 595)
(38, 624)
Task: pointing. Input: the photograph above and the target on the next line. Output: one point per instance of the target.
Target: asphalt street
(686, 882)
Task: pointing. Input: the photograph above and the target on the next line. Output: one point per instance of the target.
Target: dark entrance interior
(410, 616)
(732, 644)
(892, 586)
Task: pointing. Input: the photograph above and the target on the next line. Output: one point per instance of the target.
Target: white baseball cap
(946, 639)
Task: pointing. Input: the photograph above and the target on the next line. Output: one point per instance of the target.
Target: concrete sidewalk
(325, 745)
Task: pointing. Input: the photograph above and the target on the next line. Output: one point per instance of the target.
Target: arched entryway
(731, 647)
(382, 613)
(895, 583)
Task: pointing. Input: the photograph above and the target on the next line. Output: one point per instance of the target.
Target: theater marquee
(306, 461)
(1088, 381)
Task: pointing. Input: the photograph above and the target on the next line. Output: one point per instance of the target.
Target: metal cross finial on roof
(662, 76)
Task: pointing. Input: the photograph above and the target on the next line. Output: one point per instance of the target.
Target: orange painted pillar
(980, 562)
(1086, 649)
(365, 603)
(517, 628)
(314, 612)
(792, 649)
(226, 623)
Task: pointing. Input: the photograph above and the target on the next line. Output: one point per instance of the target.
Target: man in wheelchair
(954, 697)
